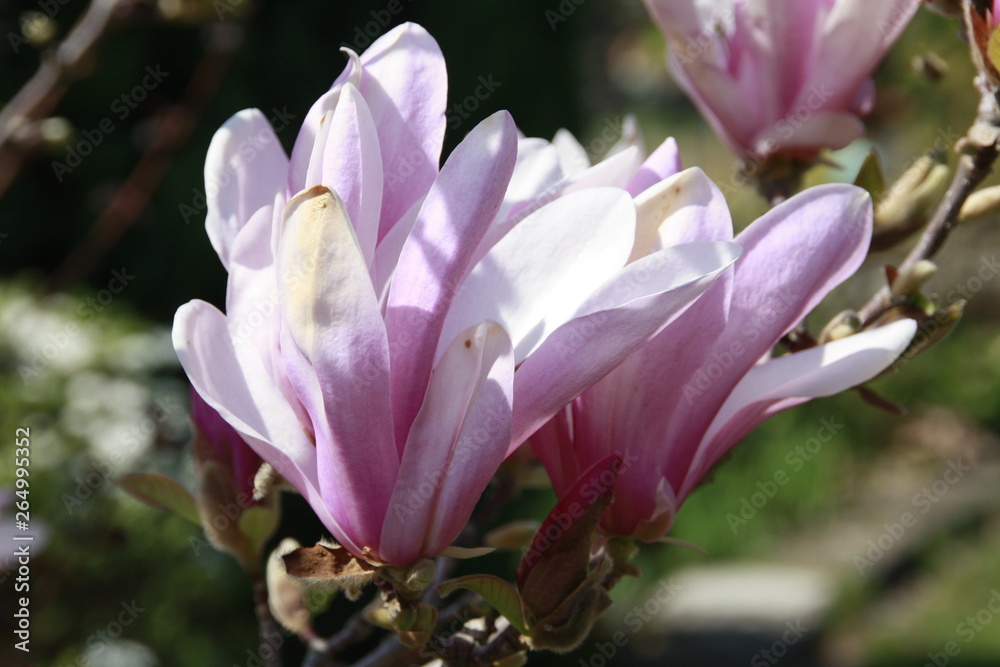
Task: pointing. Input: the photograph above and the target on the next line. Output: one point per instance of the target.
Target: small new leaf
(498, 593)
(161, 492)
(870, 176)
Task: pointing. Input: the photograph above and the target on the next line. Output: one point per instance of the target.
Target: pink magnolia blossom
(680, 403)
(378, 305)
(780, 76)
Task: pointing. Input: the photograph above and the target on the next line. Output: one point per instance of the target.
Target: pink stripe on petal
(457, 442)
(437, 254)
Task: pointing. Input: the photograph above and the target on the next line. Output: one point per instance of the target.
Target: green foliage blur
(110, 398)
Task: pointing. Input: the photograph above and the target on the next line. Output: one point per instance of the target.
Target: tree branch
(979, 150)
(43, 91)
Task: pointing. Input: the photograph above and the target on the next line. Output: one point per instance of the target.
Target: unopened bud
(845, 324)
(55, 131)
(931, 65)
(411, 581)
(286, 595)
(904, 207)
(910, 281)
(38, 28)
(415, 624)
(980, 204)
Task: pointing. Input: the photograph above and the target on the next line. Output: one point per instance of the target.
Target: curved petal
(792, 379)
(437, 254)
(536, 172)
(244, 169)
(714, 91)
(663, 163)
(403, 79)
(252, 289)
(536, 277)
(796, 253)
(611, 325)
(330, 311)
(793, 256)
(815, 131)
(573, 158)
(683, 208)
(352, 166)
(230, 376)
(853, 39)
(456, 444)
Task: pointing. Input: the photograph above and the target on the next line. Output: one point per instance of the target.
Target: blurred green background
(111, 399)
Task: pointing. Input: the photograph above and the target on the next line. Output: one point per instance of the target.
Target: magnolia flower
(674, 408)
(378, 306)
(780, 76)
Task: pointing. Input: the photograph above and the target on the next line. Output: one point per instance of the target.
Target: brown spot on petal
(468, 343)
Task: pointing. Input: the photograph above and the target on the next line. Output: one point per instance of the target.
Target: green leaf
(870, 176)
(497, 592)
(465, 553)
(161, 492)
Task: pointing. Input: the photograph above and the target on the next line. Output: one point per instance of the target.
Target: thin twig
(43, 91)
(980, 151)
(174, 127)
(355, 630)
(265, 621)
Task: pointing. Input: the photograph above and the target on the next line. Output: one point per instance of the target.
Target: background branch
(38, 98)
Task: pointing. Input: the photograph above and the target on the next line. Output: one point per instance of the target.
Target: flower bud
(38, 28)
(843, 325)
(286, 594)
(904, 208)
(909, 282)
(980, 204)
